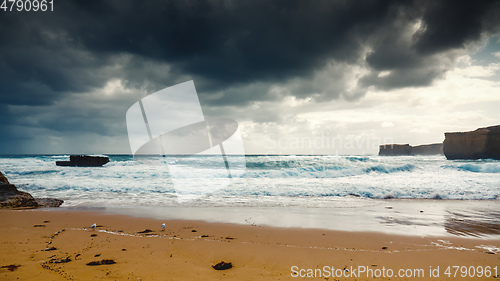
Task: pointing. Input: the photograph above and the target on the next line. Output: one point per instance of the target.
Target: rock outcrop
(84, 161)
(48, 202)
(406, 149)
(11, 198)
(482, 143)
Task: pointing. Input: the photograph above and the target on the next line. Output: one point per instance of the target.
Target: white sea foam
(306, 181)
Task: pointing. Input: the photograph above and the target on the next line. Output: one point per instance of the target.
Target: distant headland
(483, 143)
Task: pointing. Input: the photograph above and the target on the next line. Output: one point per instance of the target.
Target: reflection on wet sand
(473, 222)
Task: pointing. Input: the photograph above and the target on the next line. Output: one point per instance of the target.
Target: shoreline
(187, 250)
(410, 217)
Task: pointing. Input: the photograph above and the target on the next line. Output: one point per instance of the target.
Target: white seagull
(163, 227)
(93, 226)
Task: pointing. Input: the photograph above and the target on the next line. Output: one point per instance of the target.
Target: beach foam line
(440, 244)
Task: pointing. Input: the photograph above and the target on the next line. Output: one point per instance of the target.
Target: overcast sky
(313, 77)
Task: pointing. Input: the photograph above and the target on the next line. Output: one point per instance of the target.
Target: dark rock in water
(395, 150)
(11, 198)
(406, 149)
(84, 161)
(48, 202)
(482, 143)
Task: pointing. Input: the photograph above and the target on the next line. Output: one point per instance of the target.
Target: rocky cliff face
(406, 149)
(479, 144)
(11, 198)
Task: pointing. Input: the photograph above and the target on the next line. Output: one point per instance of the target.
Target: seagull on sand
(163, 227)
(93, 226)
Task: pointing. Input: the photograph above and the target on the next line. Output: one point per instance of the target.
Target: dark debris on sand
(145, 231)
(223, 265)
(65, 260)
(11, 267)
(101, 262)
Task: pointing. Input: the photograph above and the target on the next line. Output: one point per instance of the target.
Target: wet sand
(58, 245)
(416, 217)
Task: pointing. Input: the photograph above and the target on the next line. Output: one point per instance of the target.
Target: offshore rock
(395, 150)
(84, 161)
(482, 143)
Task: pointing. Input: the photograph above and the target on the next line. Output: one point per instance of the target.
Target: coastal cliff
(479, 144)
(406, 149)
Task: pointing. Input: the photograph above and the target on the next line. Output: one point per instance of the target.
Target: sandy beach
(60, 245)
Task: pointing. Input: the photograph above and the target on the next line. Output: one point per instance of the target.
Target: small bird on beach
(163, 227)
(93, 226)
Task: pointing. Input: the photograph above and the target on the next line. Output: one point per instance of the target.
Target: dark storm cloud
(236, 51)
(446, 28)
(226, 44)
(451, 24)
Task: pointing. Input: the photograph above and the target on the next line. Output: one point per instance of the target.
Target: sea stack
(482, 143)
(406, 149)
(84, 161)
(395, 150)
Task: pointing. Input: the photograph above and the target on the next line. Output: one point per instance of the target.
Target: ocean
(307, 181)
(417, 193)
